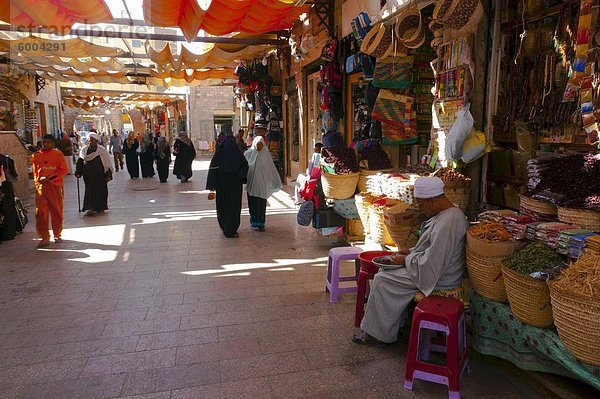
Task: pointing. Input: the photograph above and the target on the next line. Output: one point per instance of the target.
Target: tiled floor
(151, 301)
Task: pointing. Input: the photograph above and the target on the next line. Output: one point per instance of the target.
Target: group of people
(142, 152)
(230, 169)
(51, 165)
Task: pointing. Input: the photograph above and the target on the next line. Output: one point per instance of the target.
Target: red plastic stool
(445, 315)
(367, 272)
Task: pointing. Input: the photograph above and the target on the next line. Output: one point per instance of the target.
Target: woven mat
(497, 332)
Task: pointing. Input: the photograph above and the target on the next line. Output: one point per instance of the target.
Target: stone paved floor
(151, 301)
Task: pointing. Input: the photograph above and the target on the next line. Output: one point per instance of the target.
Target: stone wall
(11, 145)
(205, 104)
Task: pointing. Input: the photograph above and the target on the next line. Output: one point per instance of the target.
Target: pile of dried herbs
(533, 257)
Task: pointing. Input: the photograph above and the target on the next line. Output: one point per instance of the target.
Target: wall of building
(114, 117)
(205, 104)
(11, 145)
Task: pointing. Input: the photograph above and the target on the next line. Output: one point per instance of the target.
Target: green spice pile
(534, 257)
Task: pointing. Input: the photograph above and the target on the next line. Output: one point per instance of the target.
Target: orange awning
(216, 57)
(61, 63)
(223, 16)
(33, 46)
(55, 14)
(183, 78)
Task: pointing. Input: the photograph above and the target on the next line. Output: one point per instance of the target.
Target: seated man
(436, 262)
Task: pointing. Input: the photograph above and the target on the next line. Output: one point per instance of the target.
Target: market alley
(150, 299)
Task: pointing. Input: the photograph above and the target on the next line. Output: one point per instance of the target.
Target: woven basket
(577, 319)
(459, 196)
(584, 218)
(339, 186)
(377, 229)
(363, 202)
(536, 206)
(486, 275)
(364, 177)
(529, 298)
(402, 236)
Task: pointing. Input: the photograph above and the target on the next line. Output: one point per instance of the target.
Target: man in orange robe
(49, 169)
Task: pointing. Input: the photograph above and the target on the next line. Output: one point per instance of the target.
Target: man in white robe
(436, 262)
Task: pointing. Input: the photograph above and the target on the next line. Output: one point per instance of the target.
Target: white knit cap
(94, 136)
(428, 187)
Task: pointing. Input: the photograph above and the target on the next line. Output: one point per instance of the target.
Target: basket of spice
(585, 218)
(575, 297)
(529, 297)
(377, 229)
(340, 172)
(457, 187)
(540, 210)
(402, 222)
(488, 244)
(373, 160)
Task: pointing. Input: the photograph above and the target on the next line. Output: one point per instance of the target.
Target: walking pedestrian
(184, 151)
(263, 181)
(239, 139)
(8, 213)
(147, 156)
(227, 173)
(65, 145)
(130, 149)
(49, 169)
(115, 146)
(95, 167)
(163, 159)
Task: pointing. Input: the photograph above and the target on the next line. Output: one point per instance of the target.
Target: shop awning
(185, 78)
(61, 63)
(58, 14)
(223, 16)
(99, 77)
(220, 56)
(33, 46)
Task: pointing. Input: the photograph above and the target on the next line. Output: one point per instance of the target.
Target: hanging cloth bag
(393, 108)
(393, 72)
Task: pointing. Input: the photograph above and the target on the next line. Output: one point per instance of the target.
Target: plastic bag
(475, 146)
(459, 132)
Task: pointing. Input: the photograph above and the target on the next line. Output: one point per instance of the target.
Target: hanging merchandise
(459, 132)
(392, 108)
(409, 26)
(460, 13)
(360, 26)
(393, 72)
(329, 50)
(379, 42)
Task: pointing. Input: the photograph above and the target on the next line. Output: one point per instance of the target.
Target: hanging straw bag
(393, 73)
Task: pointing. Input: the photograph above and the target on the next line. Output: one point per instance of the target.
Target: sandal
(362, 338)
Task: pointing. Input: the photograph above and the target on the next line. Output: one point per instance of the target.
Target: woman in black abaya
(184, 151)
(147, 156)
(163, 159)
(131, 156)
(226, 176)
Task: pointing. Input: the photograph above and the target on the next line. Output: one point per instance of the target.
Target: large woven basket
(459, 196)
(486, 275)
(577, 319)
(377, 229)
(531, 205)
(584, 218)
(402, 236)
(529, 298)
(363, 202)
(364, 177)
(339, 186)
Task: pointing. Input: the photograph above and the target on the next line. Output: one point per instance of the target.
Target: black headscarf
(230, 159)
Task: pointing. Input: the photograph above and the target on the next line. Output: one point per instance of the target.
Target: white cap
(428, 187)
(94, 136)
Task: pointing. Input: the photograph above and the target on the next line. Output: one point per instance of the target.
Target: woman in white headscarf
(263, 181)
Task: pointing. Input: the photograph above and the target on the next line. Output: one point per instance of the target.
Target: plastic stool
(332, 277)
(367, 272)
(445, 315)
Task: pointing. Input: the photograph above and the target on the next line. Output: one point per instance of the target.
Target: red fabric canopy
(223, 16)
(55, 14)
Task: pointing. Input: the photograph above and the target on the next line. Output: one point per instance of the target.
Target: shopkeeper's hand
(403, 251)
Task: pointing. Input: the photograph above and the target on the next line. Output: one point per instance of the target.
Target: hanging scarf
(101, 152)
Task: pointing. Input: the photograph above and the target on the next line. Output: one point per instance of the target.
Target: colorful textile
(393, 108)
(393, 72)
(497, 332)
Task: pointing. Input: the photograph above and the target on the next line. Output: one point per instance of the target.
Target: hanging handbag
(305, 213)
(393, 108)
(393, 72)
